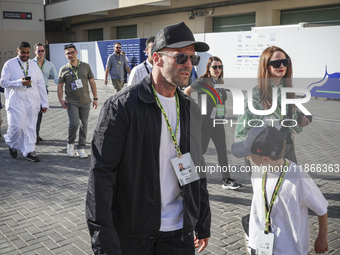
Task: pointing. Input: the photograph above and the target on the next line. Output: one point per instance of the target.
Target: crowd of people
(145, 195)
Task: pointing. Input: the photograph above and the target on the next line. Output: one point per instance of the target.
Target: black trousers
(40, 115)
(161, 243)
(217, 135)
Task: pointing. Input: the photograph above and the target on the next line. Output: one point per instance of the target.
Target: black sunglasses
(277, 63)
(118, 47)
(41, 51)
(182, 58)
(215, 67)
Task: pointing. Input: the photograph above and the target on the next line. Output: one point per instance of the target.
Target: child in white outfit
(278, 221)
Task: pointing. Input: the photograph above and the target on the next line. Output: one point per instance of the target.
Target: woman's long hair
(263, 77)
(207, 72)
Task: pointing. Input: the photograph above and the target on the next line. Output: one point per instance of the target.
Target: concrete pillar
(267, 17)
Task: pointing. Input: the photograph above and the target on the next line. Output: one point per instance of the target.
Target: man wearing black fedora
(138, 201)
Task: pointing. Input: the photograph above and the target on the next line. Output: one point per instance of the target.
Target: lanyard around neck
(172, 134)
(268, 210)
(146, 67)
(22, 68)
(42, 66)
(72, 71)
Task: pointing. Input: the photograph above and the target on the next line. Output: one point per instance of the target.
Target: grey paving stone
(9, 249)
(13, 253)
(31, 248)
(26, 236)
(4, 244)
(75, 251)
(42, 250)
(42, 207)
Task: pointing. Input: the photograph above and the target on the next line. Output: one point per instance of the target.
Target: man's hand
(105, 82)
(44, 109)
(63, 103)
(95, 104)
(304, 122)
(25, 82)
(201, 243)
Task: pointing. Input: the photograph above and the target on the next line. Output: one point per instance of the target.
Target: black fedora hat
(177, 36)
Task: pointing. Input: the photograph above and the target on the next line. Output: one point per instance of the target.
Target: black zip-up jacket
(124, 187)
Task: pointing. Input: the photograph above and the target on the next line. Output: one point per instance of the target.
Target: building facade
(21, 20)
(86, 20)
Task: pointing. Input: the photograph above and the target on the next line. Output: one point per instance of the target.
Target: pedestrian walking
(138, 200)
(48, 70)
(25, 93)
(116, 64)
(76, 75)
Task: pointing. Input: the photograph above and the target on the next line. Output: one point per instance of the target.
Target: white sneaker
(82, 153)
(70, 150)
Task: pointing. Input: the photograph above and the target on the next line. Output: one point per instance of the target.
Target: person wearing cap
(283, 192)
(135, 203)
(143, 69)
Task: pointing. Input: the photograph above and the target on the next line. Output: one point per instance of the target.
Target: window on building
(95, 34)
(234, 23)
(127, 32)
(326, 15)
(47, 2)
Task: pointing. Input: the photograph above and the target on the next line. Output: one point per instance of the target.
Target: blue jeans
(75, 113)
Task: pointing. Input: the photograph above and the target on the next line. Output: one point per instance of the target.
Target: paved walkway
(42, 204)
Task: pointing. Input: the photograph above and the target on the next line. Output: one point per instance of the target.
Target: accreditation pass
(265, 243)
(185, 169)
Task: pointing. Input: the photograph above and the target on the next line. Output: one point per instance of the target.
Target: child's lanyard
(72, 71)
(172, 134)
(268, 210)
(23, 70)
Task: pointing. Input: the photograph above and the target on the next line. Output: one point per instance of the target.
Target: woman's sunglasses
(215, 67)
(182, 58)
(277, 63)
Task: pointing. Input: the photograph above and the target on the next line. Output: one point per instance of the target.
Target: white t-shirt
(139, 72)
(289, 216)
(172, 201)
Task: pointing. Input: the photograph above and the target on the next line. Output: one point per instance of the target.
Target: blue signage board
(133, 48)
(328, 86)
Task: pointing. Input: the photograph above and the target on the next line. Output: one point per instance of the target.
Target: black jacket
(124, 187)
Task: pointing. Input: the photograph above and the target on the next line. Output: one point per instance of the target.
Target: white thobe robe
(22, 103)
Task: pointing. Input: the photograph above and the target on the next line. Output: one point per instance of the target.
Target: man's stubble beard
(22, 58)
(172, 76)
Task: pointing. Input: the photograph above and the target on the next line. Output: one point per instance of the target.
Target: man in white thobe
(25, 91)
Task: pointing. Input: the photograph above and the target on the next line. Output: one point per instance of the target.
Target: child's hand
(321, 244)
